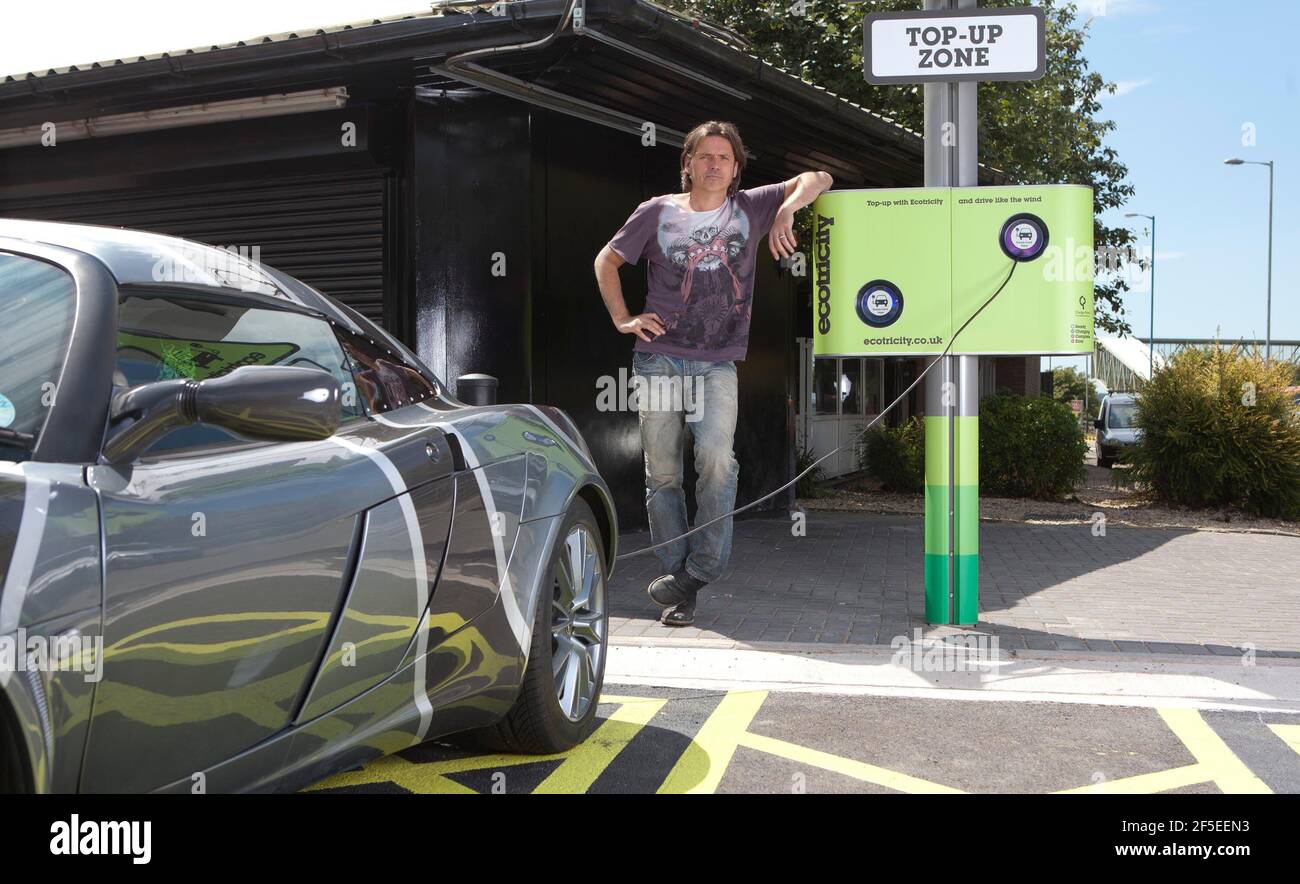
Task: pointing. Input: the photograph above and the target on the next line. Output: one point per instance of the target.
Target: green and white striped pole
(952, 388)
(952, 492)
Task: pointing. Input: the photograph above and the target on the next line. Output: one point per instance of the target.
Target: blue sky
(1191, 75)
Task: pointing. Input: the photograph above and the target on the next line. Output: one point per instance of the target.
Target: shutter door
(327, 230)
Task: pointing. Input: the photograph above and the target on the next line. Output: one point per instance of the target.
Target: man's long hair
(704, 130)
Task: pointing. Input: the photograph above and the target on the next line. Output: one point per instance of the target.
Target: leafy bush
(1218, 429)
(896, 456)
(811, 484)
(1029, 447)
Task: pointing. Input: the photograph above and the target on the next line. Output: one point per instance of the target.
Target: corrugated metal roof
(736, 44)
(732, 44)
(199, 50)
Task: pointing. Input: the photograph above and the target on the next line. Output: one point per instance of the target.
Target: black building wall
(405, 223)
(468, 178)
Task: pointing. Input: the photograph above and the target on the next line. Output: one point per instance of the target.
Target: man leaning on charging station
(701, 246)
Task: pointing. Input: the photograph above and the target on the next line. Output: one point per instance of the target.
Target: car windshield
(1121, 416)
(37, 305)
(163, 335)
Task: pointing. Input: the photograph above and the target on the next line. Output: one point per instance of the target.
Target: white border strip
(1223, 684)
(418, 559)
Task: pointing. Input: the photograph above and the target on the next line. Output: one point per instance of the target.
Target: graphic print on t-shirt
(706, 249)
(700, 269)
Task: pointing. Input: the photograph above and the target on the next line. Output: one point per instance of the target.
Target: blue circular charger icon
(879, 303)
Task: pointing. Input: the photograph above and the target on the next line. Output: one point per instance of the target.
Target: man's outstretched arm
(645, 326)
(799, 192)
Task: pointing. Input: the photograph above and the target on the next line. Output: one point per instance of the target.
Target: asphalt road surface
(656, 739)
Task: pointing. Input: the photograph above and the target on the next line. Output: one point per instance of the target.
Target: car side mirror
(273, 403)
(1097, 423)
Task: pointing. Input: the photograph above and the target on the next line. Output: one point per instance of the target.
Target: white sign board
(951, 46)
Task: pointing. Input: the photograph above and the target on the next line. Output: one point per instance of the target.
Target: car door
(489, 495)
(391, 590)
(228, 563)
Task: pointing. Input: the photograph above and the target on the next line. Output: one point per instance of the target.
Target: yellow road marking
(1222, 764)
(580, 768)
(701, 766)
(588, 760)
(858, 770)
(394, 769)
(483, 762)
(1215, 763)
(1160, 781)
(1290, 734)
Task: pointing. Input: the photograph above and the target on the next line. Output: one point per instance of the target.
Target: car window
(1121, 416)
(164, 336)
(37, 305)
(384, 381)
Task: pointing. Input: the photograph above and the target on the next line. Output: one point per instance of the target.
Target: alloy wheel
(578, 623)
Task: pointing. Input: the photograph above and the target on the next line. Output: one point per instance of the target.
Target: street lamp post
(1151, 342)
(1268, 316)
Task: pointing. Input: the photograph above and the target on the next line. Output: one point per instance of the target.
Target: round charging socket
(879, 303)
(1023, 237)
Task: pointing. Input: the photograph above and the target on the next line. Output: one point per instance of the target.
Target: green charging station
(896, 272)
(899, 272)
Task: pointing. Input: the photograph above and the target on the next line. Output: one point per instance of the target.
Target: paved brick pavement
(857, 579)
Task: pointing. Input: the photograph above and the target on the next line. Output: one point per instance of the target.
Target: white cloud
(1122, 88)
(1104, 9)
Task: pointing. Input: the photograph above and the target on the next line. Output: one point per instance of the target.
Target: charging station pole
(952, 389)
(949, 47)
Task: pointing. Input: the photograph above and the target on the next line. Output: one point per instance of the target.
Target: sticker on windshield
(144, 357)
(7, 411)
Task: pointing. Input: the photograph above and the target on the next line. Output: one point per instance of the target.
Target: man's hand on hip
(643, 325)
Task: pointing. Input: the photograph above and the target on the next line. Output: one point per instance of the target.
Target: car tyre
(12, 772)
(556, 706)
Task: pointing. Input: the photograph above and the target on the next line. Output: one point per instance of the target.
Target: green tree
(1068, 383)
(1043, 132)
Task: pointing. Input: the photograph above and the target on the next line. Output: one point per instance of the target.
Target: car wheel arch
(603, 509)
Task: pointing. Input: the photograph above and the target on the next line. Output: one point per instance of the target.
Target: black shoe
(682, 615)
(672, 589)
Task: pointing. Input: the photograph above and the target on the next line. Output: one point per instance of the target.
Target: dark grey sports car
(247, 539)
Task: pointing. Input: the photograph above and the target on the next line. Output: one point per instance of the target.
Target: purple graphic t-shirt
(701, 270)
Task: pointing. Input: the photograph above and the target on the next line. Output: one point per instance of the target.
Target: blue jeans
(676, 393)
